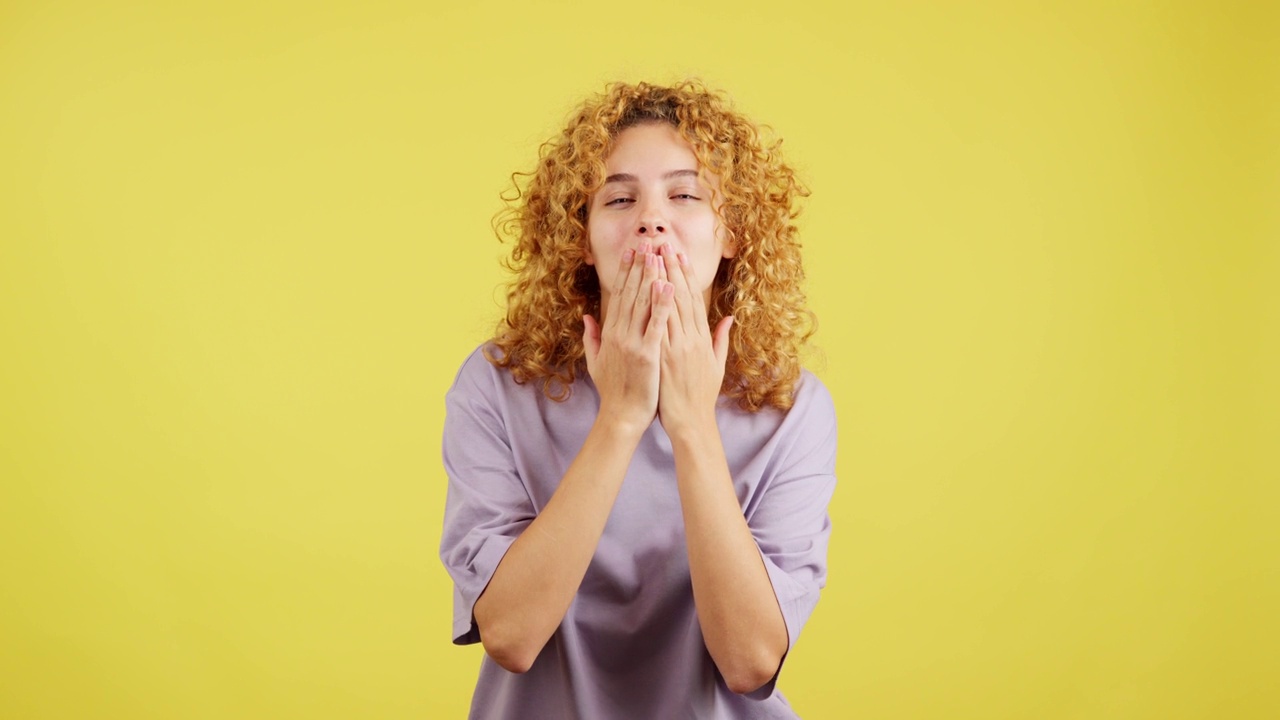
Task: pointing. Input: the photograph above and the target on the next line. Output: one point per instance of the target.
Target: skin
(651, 354)
(652, 193)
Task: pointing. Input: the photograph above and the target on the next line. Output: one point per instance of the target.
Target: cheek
(711, 253)
(606, 243)
(594, 246)
(707, 271)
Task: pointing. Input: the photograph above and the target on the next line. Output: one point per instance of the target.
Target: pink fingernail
(628, 256)
(684, 259)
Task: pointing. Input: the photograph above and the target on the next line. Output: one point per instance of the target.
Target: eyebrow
(628, 177)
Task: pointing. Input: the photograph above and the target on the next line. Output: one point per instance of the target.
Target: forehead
(657, 145)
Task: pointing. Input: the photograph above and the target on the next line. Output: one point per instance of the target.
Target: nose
(652, 227)
(652, 223)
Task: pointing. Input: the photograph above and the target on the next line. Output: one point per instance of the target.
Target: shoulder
(475, 365)
(812, 400)
(479, 375)
(809, 427)
(809, 422)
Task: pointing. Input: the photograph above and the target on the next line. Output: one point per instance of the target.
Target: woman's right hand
(540, 574)
(623, 355)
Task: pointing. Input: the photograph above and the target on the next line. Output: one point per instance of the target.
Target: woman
(639, 468)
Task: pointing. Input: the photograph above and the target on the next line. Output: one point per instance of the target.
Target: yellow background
(245, 246)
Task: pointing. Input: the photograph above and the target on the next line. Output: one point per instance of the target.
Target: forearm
(539, 575)
(742, 624)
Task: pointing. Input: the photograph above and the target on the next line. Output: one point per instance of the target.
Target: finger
(684, 307)
(720, 342)
(590, 342)
(627, 296)
(590, 336)
(644, 294)
(675, 330)
(613, 315)
(656, 333)
(697, 303)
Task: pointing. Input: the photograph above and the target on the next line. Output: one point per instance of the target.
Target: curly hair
(541, 336)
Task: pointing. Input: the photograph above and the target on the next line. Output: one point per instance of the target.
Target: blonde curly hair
(541, 336)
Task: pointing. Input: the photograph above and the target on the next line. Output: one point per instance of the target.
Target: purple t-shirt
(630, 645)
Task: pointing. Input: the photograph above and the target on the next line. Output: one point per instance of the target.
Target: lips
(656, 248)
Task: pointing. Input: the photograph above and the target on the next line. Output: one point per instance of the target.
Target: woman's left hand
(693, 357)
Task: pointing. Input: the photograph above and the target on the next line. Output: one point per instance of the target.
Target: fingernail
(684, 259)
(628, 256)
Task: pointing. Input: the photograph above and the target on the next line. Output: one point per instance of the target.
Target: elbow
(753, 663)
(510, 659)
(511, 651)
(747, 681)
(751, 675)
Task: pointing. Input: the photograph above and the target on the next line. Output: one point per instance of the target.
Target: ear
(584, 215)
(587, 256)
(730, 247)
(728, 243)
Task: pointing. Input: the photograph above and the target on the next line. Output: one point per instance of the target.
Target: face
(652, 193)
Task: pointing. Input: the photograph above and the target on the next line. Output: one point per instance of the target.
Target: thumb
(720, 339)
(591, 336)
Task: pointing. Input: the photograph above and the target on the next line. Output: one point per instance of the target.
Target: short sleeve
(791, 524)
(487, 506)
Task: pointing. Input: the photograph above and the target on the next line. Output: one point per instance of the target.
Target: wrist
(692, 428)
(621, 427)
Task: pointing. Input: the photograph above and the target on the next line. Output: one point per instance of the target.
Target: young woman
(639, 467)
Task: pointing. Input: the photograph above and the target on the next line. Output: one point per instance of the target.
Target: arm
(539, 575)
(742, 624)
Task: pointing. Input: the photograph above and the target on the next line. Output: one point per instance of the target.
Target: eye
(619, 201)
(685, 196)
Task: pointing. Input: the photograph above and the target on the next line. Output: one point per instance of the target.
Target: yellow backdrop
(245, 246)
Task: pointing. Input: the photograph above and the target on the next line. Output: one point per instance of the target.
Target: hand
(693, 357)
(623, 356)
